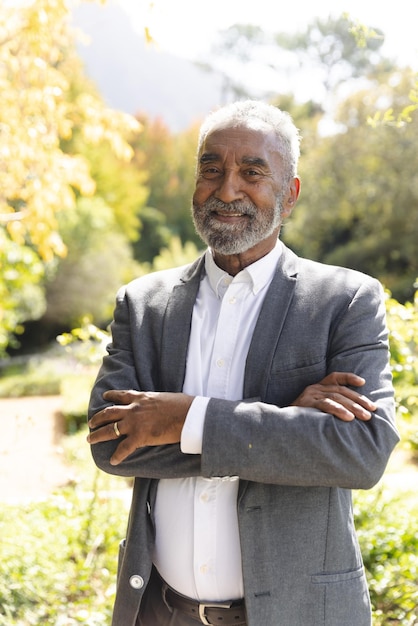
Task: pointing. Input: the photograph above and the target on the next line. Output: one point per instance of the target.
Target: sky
(187, 27)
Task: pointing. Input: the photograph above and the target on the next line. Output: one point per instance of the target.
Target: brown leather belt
(225, 613)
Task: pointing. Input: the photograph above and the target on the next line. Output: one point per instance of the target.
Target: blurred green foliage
(387, 531)
(403, 336)
(59, 141)
(21, 292)
(58, 558)
(359, 191)
(64, 572)
(358, 181)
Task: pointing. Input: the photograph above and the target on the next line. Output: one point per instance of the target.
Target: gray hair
(238, 113)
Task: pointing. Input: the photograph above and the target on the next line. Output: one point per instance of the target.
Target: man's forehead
(253, 138)
(251, 125)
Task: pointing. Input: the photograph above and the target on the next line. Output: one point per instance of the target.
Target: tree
(155, 235)
(359, 198)
(363, 35)
(169, 160)
(40, 110)
(328, 47)
(326, 52)
(99, 260)
(120, 184)
(21, 292)
(237, 51)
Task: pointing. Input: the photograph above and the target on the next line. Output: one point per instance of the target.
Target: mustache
(237, 206)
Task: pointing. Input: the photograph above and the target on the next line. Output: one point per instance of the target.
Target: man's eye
(252, 173)
(209, 172)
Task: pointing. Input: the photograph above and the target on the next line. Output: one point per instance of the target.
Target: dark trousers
(155, 612)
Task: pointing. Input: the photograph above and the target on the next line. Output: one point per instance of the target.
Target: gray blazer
(300, 557)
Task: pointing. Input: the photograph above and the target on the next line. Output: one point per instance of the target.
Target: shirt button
(203, 569)
(220, 362)
(136, 582)
(204, 497)
(232, 300)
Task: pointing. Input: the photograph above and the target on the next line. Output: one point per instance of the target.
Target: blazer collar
(257, 274)
(176, 327)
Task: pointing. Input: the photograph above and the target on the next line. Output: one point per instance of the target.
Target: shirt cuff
(191, 441)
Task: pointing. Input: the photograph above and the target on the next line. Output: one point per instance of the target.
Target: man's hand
(332, 395)
(142, 419)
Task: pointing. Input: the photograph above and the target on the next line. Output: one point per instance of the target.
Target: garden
(58, 554)
(92, 197)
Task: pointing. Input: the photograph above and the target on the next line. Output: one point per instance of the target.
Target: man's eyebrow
(209, 157)
(254, 161)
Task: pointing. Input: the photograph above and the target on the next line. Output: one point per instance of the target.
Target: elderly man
(247, 394)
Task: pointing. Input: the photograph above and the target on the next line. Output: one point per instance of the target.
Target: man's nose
(229, 188)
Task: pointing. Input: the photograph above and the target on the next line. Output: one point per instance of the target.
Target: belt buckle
(203, 607)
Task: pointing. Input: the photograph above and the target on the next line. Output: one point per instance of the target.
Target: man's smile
(228, 216)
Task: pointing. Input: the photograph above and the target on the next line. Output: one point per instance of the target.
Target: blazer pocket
(344, 598)
(285, 385)
(307, 370)
(338, 577)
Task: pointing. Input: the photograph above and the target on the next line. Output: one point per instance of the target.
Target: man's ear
(291, 196)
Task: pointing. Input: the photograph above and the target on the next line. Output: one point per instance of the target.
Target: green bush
(42, 374)
(58, 559)
(33, 379)
(64, 572)
(388, 538)
(403, 338)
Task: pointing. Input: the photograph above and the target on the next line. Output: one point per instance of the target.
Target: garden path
(31, 460)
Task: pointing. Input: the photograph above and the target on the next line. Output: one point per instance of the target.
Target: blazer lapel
(267, 332)
(176, 328)
(269, 326)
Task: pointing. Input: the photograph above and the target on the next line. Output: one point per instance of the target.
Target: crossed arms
(341, 426)
(157, 418)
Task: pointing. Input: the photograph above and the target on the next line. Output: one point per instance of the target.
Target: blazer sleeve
(132, 362)
(288, 445)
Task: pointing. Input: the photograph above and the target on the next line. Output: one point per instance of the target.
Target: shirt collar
(258, 274)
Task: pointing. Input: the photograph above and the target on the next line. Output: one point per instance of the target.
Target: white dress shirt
(197, 548)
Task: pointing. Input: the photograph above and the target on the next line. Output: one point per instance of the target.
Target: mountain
(134, 77)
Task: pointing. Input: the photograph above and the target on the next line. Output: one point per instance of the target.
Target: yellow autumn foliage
(38, 111)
